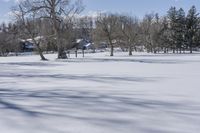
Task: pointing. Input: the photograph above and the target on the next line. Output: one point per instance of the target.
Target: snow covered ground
(100, 94)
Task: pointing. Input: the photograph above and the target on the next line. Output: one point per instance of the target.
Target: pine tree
(177, 28)
(191, 26)
(172, 17)
(180, 29)
(165, 35)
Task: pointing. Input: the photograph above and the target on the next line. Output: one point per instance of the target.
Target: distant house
(27, 46)
(83, 44)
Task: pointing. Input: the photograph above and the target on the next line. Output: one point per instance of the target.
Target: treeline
(54, 25)
(8, 39)
(175, 32)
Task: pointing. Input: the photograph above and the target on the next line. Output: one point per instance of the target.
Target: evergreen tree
(172, 17)
(165, 35)
(180, 29)
(192, 27)
(177, 28)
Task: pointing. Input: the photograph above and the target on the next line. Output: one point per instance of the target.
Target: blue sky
(134, 7)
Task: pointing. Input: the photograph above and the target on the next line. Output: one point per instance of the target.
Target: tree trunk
(39, 51)
(135, 48)
(165, 50)
(83, 52)
(61, 53)
(111, 50)
(173, 50)
(76, 52)
(191, 49)
(130, 50)
(61, 50)
(190, 45)
(42, 57)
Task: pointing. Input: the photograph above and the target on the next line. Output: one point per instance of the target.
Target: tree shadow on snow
(32, 64)
(98, 108)
(91, 78)
(133, 60)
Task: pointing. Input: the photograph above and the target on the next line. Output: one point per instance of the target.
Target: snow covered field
(100, 94)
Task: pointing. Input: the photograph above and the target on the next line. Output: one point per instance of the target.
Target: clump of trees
(176, 31)
(55, 25)
(9, 39)
(57, 18)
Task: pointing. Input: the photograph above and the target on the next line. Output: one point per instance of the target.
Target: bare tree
(59, 12)
(84, 27)
(156, 31)
(130, 31)
(107, 25)
(8, 39)
(29, 21)
(4, 41)
(146, 31)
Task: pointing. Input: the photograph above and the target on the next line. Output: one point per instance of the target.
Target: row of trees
(176, 31)
(45, 22)
(9, 39)
(56, 24)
